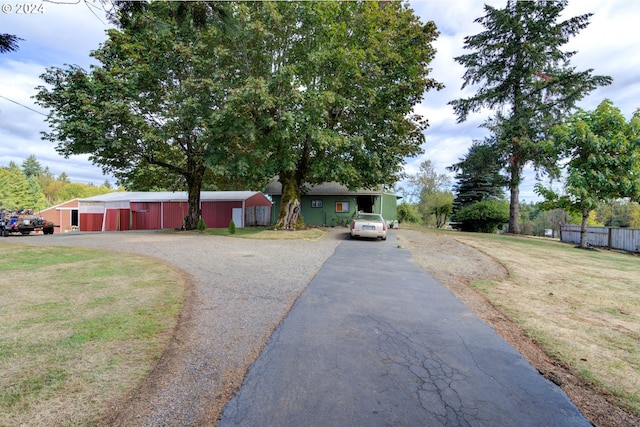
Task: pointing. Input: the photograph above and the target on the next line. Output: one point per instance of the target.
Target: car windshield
(369, 217)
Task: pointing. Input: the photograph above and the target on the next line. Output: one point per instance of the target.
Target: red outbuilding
(64, 216)
(162, 210)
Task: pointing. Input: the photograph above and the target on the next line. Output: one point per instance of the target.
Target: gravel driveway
(240, 289)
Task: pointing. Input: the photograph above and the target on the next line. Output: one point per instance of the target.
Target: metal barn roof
(170, 196)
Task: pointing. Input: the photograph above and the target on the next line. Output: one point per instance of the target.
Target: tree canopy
(327, 94)
(521, 72)
(431, 190)
(149, 104)
(307, 91)
(14, 188)
(484, 216)
(603, 160)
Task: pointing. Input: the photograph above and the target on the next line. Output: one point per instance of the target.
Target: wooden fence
(627, 239)
(257, 216)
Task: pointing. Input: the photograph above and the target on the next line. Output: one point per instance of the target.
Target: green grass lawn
(582, 307)
(78, 328)
(268, 234)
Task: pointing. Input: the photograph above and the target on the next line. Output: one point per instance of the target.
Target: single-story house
(331, 203)
(64, 216)
(166, 210)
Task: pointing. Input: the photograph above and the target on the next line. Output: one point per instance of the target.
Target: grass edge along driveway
(78, 329)
(582, 307)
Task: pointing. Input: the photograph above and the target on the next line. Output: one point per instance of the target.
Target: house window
(316, 203)
(342, 207)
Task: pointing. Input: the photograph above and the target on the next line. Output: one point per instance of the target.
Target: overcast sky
(66, 33)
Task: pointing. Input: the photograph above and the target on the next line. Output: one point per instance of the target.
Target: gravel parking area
(240, 289)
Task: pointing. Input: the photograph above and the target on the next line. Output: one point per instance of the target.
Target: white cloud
(63, 34)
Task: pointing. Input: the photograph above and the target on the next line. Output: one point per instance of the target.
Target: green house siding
(328, 213)
(323, 209)
(389, 206)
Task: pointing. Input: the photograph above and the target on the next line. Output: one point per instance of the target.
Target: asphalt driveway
(374, 340)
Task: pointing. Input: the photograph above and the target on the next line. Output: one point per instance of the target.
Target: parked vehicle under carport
(369, 225)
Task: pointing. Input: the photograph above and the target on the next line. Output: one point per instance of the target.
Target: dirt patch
(455, 265)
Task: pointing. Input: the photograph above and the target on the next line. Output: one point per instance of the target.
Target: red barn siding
(173, 214)
(146, 216)
(257, 199)
(218, 214)
(125, 219)
(60, 215)
(111, 220)
(117, 219)
(91, 222)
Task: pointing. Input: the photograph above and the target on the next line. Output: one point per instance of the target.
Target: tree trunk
(514, 208)
(583, 228)
(289, 216)
(441, 217)
(194, 186)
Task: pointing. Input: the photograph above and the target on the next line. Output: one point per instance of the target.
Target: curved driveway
(376, 341)
(372, 340)
(240, 291)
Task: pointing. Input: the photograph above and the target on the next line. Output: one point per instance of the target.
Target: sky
(65, 33)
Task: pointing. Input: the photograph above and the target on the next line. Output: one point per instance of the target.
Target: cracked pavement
(375, 340)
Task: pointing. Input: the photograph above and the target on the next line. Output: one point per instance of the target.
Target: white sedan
(369, 225)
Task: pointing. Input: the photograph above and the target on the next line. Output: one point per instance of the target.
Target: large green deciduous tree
(603, 152)
(149, 102)
(431, 189)
(308, 91)
(327, 94)
(520, 70)
(439, 204)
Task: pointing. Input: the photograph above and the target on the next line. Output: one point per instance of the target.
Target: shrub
(201, 225)
(232, 227)
(407, 213)
(485, 216)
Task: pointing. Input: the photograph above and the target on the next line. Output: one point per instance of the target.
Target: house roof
(326, 189)
(170, 196)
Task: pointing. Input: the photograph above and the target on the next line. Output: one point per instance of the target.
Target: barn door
(236, 215)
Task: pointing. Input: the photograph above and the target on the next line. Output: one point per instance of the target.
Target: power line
(94, 13)
(74, 2)
(22, 105)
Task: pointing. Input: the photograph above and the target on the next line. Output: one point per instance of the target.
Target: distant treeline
(32, 186)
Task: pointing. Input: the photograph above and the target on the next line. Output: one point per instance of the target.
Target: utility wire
(90, 7)
(73, 2)
(22, 105)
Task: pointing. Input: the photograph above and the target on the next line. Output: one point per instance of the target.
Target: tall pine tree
(521, 72)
